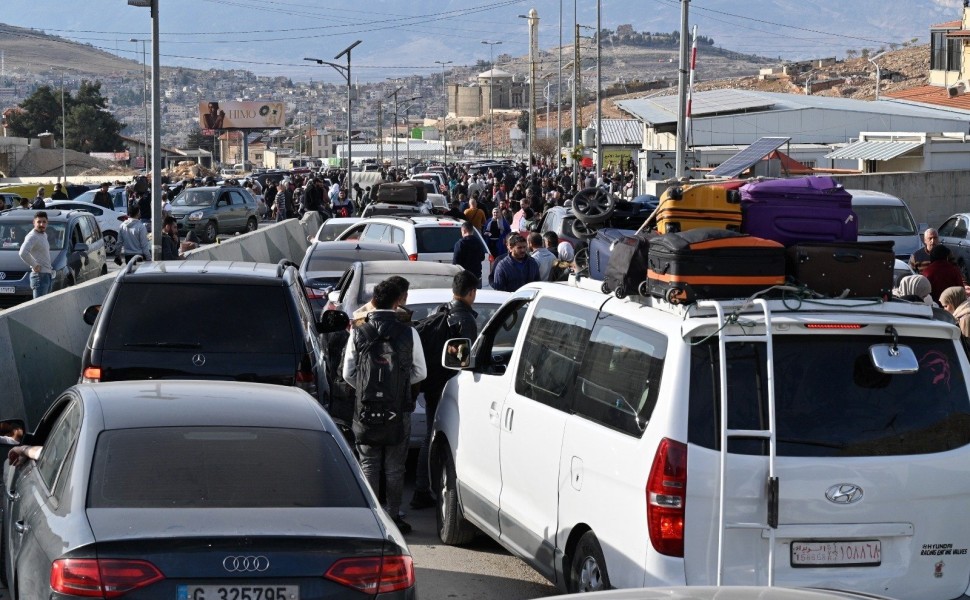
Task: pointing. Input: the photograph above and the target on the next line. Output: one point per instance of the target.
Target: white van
(583, 434)
(883, 217)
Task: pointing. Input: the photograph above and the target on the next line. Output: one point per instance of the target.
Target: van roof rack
(788, 299)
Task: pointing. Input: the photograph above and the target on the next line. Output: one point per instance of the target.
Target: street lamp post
(345, 71)
(491, 99)
(444, 117)
(407, 129)
(394, 95)
(144, 91)
(533, 18)
(599, 97)
(156, 172)
(872, 59)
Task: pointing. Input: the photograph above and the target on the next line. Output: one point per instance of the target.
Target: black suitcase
(626, 271)
(856, 269)
(711, 264)
(600, 248)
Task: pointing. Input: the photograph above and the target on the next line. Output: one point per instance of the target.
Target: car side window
(354, 233)
(76, 236)
(553, 350)
(396, 235)
(946, 230)
(960, 230)
(374, 232)
(58, 444)
(224, 199)
(87, 230)
(237, 198)
(619, 380)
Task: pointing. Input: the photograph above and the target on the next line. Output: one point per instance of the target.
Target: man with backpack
(382, 360)
(456, 319)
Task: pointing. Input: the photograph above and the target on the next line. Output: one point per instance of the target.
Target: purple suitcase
(806, 209)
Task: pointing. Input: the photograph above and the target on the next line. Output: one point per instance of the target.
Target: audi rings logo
(198, 360)
(245, 564)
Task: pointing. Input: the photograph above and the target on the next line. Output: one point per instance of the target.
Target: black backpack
(434, 330)
(383, 386)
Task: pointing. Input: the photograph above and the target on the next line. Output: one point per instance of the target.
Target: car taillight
(91, 375)
(374, 575)
(412, 257)
(101, 578)
(123, 217)
(314, 293)
(666, 495)
(305, 379)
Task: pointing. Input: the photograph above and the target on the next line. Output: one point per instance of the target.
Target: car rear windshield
(830, 401)
(329, 259)
(330, 231)
(884, 220)
(418, 281)
(209, 316)
(437, 239)
(220, 467)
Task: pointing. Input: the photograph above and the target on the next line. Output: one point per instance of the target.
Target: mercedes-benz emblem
(245, 564)
(198, 360)
(844, 493)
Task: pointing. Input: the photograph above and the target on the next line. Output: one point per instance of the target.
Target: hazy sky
(407, 36)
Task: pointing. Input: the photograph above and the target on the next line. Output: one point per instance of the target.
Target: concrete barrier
(42, 340)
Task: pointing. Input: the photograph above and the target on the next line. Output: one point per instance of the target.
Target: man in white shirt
(542, 255)
(36, 253)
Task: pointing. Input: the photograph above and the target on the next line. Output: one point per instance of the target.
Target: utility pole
(144, 92)
(444, 115)
(394, 95)
(559, 99)
(574, 124)
(599, 98)
(380, 132)
(682, 95)
(533, 18)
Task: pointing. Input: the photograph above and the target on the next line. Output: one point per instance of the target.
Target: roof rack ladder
(771, 487)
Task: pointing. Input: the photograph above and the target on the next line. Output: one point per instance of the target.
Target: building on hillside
(473, 100)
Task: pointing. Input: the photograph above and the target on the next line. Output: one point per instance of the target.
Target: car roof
(18, 214)
(442, 295)
(397, 267)
(172, 403)
(869, 197)
(341, 245)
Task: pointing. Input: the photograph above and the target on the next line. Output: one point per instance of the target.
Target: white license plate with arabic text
(862, 553)
(8, 290)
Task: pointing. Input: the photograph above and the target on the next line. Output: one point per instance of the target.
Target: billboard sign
(241, 115)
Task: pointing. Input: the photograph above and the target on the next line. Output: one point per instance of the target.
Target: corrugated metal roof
(877, 150)
(931, 94)
(621, 132)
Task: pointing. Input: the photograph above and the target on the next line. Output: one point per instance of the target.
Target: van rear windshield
(208, 316)
(829, 399)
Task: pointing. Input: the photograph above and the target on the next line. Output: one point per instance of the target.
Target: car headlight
(196, 216)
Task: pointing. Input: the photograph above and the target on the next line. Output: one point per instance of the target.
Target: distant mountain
(402, 37)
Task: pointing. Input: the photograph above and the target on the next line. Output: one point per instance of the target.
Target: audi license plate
(238, 592)
(866, 553)
(8, 290)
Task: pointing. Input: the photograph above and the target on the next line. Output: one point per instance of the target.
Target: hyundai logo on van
(844, 493)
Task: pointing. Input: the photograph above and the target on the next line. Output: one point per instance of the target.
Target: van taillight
(91, 375)
(666, 496)
(412, 257)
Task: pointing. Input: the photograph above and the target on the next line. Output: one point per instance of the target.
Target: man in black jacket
(469, 252)
(462, 324)
(103, 197)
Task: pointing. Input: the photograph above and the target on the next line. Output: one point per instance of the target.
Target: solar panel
(745, 159)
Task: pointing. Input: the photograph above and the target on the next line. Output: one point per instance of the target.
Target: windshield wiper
(180, 345)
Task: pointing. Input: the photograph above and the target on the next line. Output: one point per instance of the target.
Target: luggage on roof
(805, 209)
(703, 205)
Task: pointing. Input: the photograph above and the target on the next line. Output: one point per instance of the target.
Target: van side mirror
(332, 321)
(456, 355)
(90, 313)
(81, 247)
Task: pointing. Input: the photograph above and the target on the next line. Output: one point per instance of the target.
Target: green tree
(523, 121)
(198, 141)
(41, 113)
(89, 127)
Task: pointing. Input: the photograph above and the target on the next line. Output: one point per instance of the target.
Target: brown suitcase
(856, 269)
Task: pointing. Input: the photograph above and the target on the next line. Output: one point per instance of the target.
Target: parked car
(211, 210)
(883, 217)
(196, 489)
(325, 262)
(356, 286)
(108, 220)
(425, 301)
(78, 251)
(119, 197)
(207, 320)
(955, 234)
(425, 238)
(633, 479)
(561, 220)
(333, 227)
(732, 592)
(8, 201)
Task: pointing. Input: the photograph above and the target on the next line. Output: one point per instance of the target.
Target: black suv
(208, 320)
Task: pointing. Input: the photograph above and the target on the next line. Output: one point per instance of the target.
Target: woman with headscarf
(914, 288)
(495, 231)
(954, 301)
